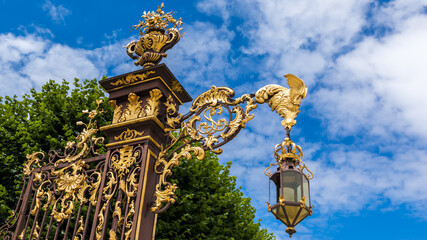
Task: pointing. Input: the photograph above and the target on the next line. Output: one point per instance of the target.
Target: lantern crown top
(288, 152)
(158, 20)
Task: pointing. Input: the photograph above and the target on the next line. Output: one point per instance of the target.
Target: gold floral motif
(131, 78)
(95, 187)
(135, 109)
(117, 110)
(151, 109)
(156, 37)
(101, 221)
(87, 133)
(285, 102)
(129, 134)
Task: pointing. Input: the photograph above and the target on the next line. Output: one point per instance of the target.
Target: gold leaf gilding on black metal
(131, 78)
(135, 108)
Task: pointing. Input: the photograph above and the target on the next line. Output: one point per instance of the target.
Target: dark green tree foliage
(209, 206)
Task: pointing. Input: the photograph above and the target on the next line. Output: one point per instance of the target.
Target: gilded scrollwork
(79, 230)
(122, 179)
(205, 124)
(173, 117)
(165, 191)
(128, 134)
(33, 159)
(62, 186)
(131, 78)
(129, 222)
(135, 108)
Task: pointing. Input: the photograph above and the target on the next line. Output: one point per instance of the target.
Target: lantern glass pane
(278, 212)
(292, 212)
(306, 190)
(291, 186)
(303, 214)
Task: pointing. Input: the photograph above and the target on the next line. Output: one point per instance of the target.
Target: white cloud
(378, 87)
(394, 12)
(200, 59)
(367, 88)
(215, 7)
(57, 13)
(30, 61)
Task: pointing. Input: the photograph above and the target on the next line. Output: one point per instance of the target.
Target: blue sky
(363, 123)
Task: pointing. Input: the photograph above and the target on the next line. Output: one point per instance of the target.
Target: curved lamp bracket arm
(214, 119)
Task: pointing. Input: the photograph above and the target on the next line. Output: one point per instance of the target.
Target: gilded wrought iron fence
(77, 193)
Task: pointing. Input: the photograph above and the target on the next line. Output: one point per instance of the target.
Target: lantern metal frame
(288, 156)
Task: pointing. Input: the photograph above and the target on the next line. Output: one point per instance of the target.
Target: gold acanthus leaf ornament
(129, 134)
(285, 102)
(135, 108)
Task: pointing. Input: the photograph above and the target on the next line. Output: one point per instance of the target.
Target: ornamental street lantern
(291, 185)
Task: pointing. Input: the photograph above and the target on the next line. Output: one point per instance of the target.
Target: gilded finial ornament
(157, 36)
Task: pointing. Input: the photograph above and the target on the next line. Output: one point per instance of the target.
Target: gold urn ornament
(156, 37)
